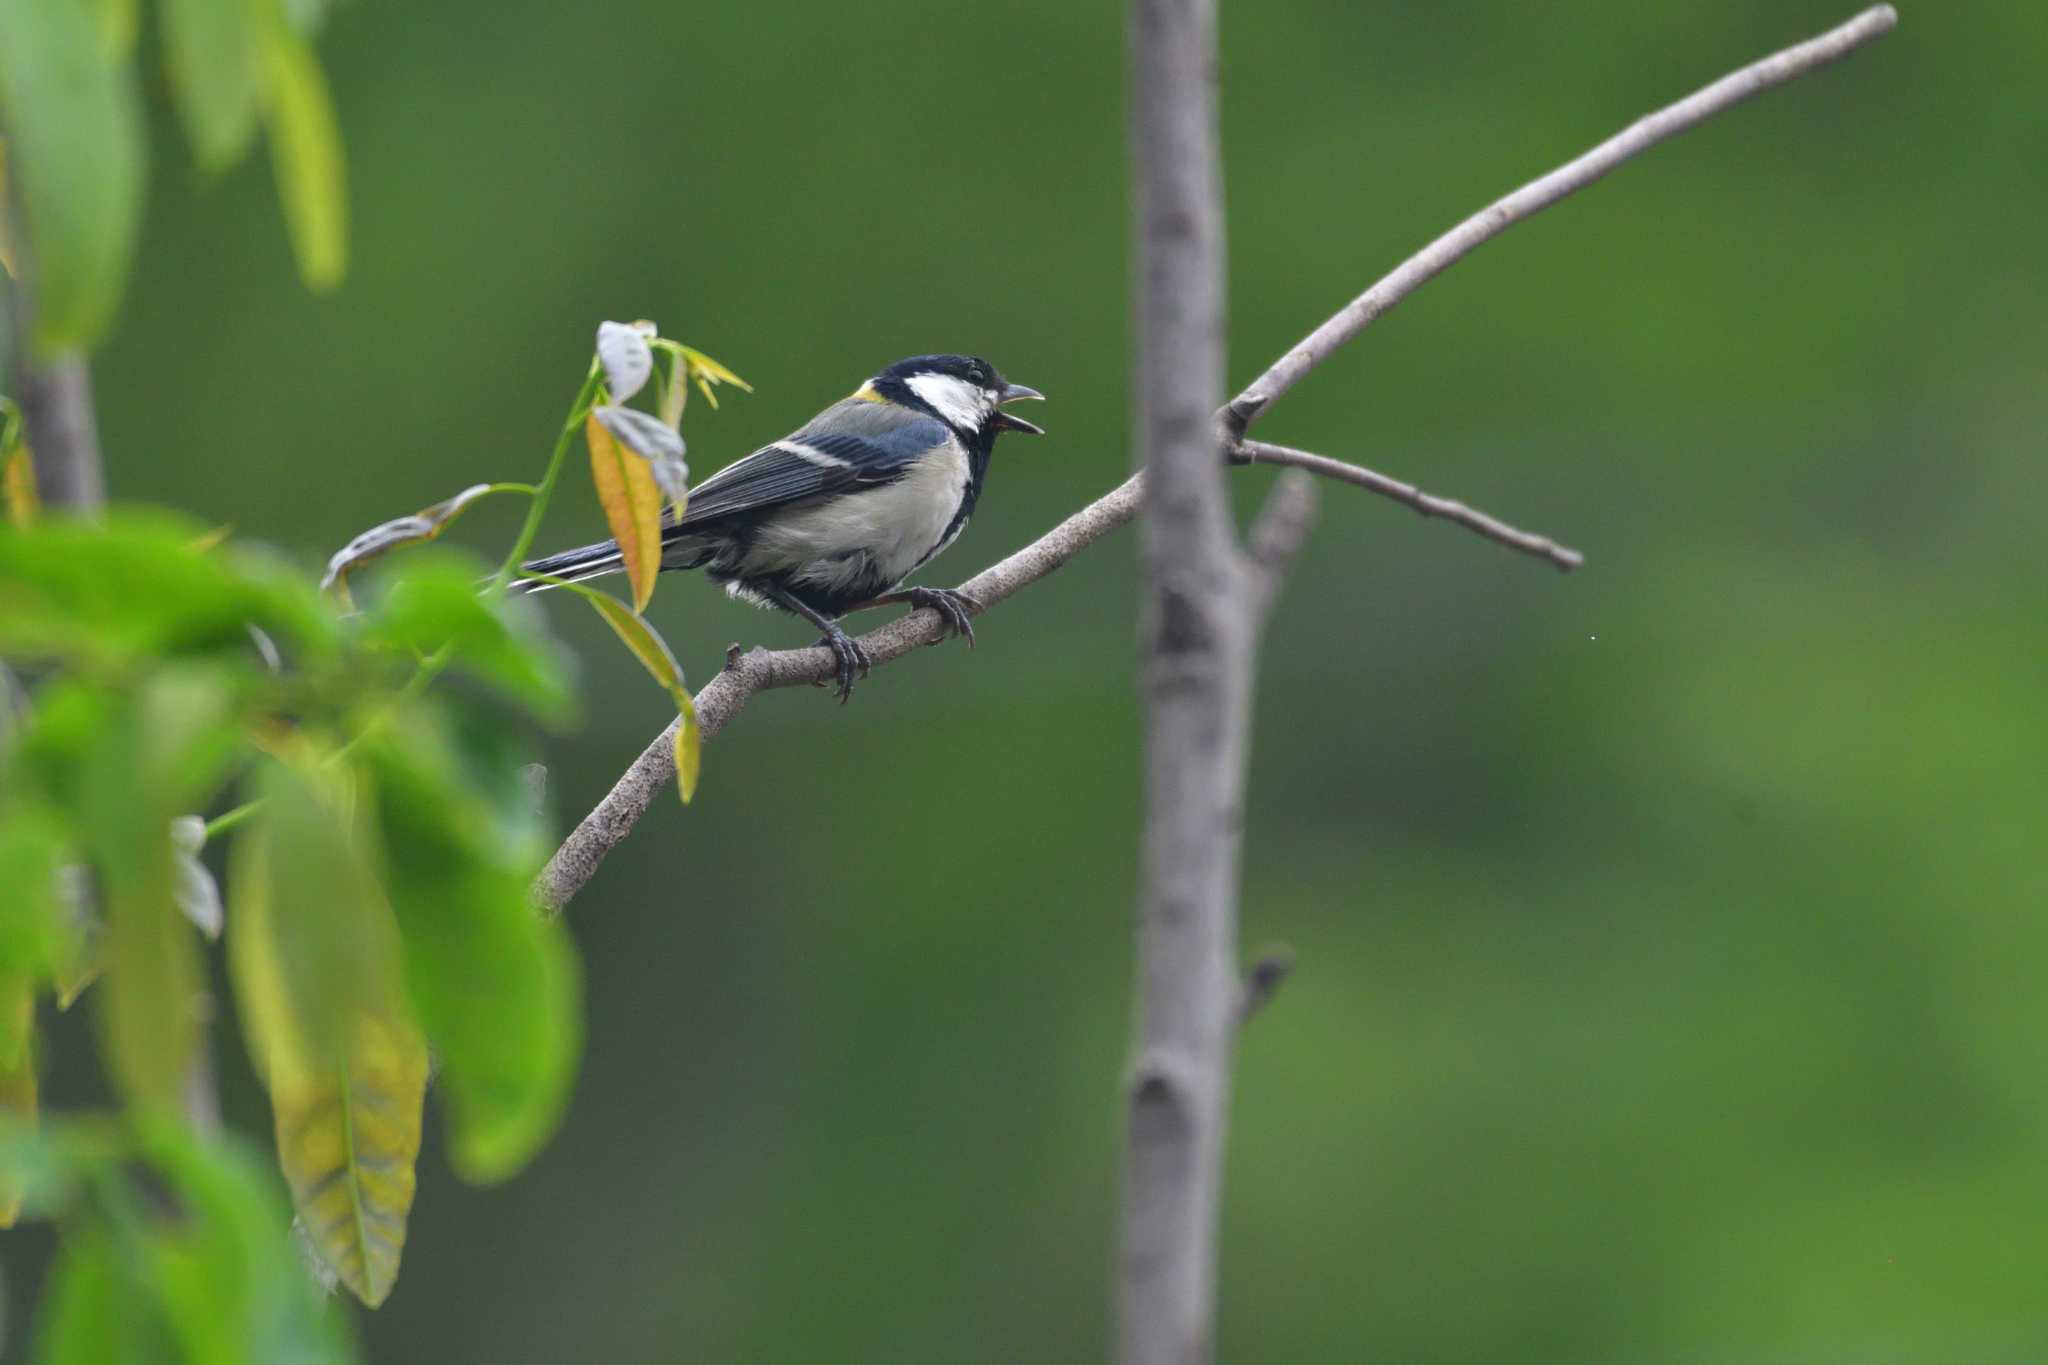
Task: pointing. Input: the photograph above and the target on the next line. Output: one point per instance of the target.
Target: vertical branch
(55, 393)
(1197, 642)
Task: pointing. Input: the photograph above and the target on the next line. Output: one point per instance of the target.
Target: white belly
(882, 533)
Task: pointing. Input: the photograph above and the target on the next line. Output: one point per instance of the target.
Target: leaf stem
(545, 492)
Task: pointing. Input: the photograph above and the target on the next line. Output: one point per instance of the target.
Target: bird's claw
(952, 605)
(852, 659)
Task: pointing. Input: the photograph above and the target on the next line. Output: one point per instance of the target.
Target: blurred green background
(1670, 935)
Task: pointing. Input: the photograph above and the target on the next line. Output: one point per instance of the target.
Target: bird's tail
(590, 561)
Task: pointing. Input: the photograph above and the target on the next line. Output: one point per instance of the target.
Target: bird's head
(964, 392)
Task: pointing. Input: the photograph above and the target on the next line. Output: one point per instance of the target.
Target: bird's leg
(951, 604)
(853, 660)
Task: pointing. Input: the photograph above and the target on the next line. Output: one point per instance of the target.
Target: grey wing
(850, 444)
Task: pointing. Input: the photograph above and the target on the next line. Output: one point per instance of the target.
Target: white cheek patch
(959, 402)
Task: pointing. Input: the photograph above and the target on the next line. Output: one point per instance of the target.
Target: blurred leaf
(31, 851)
(623, 351)
(348, 1140)
(75, 145)
(96, 1311)
(708, 373)
(135, 586)
(433, 603)
(213, 49)
(317, 967)
(654, 441)
(689, 748)
(495, 986)
(422, 525)
(148, 1025)
(305, 147)
(18, 485)
(631, 499)
(17, 1078)
(218, 1269)
(313, 942)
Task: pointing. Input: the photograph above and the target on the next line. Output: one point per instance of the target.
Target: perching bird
(835, 516)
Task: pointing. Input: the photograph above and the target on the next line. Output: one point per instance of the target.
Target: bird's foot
(852, 659)
(952, 605)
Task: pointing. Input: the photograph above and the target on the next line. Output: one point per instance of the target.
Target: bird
(836, 515)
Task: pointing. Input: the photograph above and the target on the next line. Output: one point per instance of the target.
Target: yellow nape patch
(866, 394)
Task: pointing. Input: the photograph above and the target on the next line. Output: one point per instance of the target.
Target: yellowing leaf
(632, 506)
(348, 1138)
(649, 648)
(708, 372)
(315, 959)
(17, 1079)
(305, 148)
(689, 747)
(18, 486)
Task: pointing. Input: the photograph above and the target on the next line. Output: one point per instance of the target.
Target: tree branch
(1540, 194)
(55, 393)
(1429, 505)
(653, 772)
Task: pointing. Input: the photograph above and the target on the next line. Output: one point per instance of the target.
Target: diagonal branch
(759, 670)
(1408, 495)
(1540, 194)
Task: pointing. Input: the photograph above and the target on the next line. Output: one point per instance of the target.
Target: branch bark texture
(1198, 637)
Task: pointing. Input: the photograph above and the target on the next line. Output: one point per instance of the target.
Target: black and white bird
(833, 517)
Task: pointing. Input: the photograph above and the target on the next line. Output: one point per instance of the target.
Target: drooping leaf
(31, 915)
(79, 955)
(623, 351)
(654, 654)
(689, 747)
(655, 442)
(305, 146)
(348, 1141)
(496, 987)
(317, 969)
(75, 158)
(17, 1078)
(146, 1014)
(433, 604)
(213, 49)
(631, 499)
(18, 485)
(422, 525)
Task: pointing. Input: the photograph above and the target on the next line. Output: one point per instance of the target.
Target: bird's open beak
(1007, 422)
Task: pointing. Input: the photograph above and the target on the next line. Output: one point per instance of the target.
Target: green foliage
(379, 895)
(72, 115)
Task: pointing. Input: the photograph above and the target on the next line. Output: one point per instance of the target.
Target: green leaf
(96, 1311)
(631, 499)
(218, 1268)
(433, 604)
(147, 1017)
(709, 373)
(305, 146)
(138, 587)
(495, 985)
(75, 158)
(214, 49)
